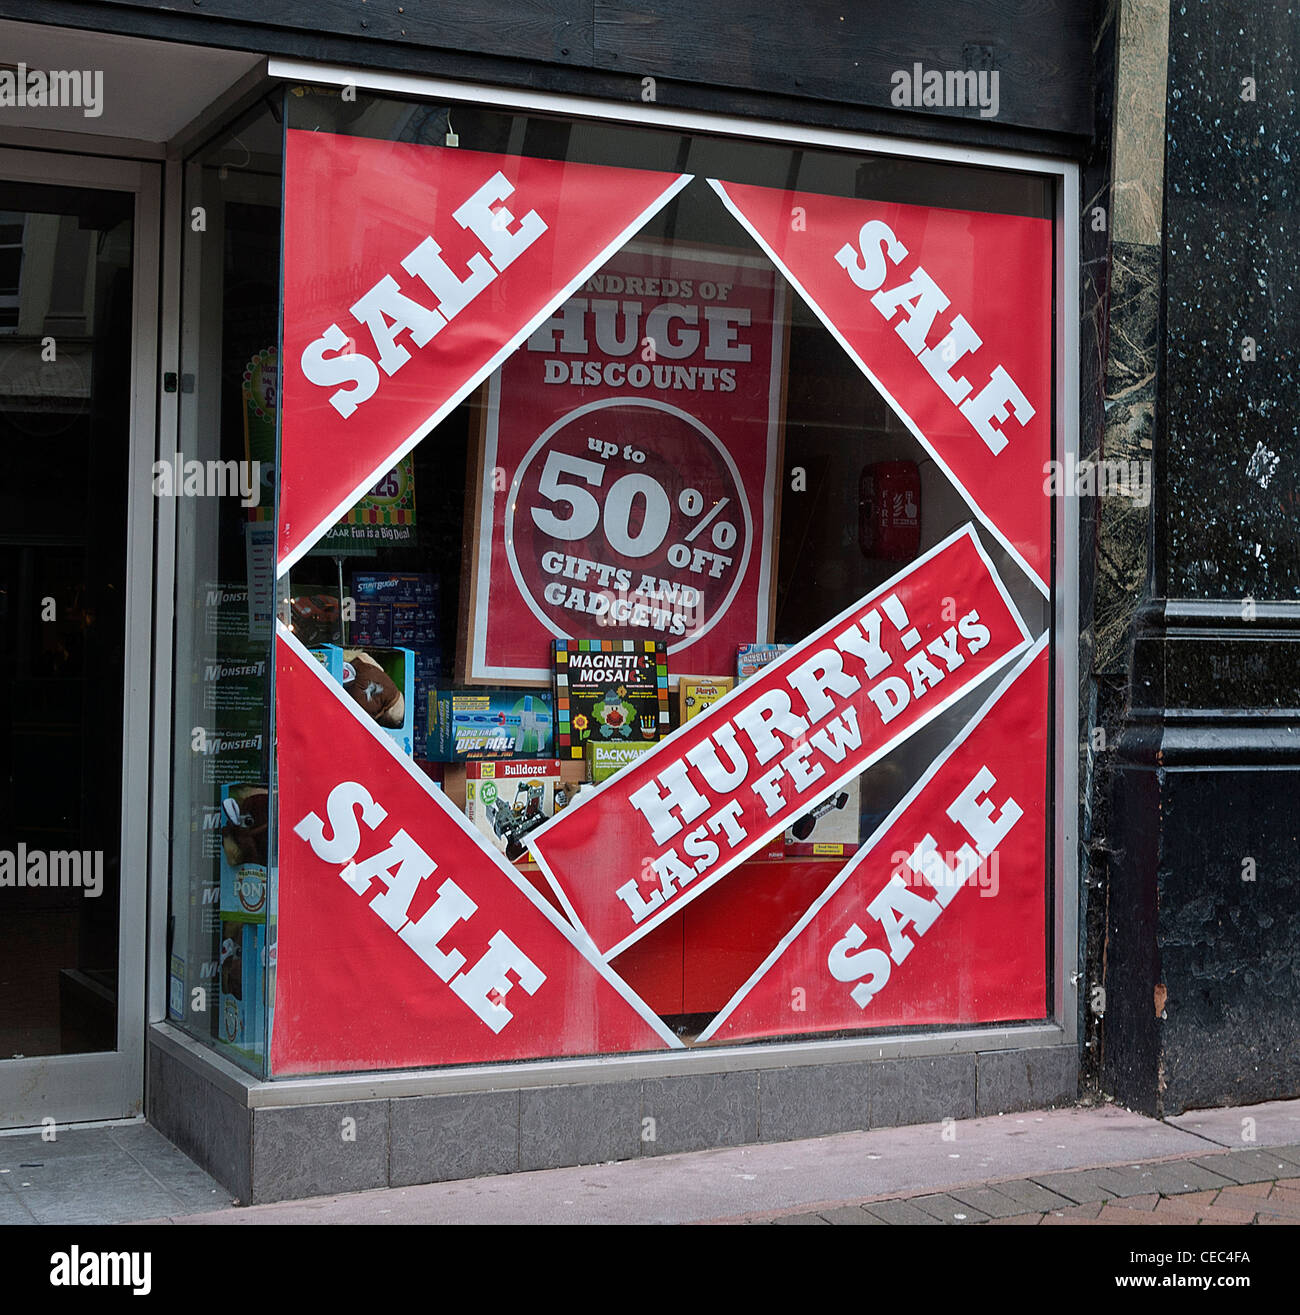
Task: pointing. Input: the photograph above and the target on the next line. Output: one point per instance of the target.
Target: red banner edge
(578, 939)
(870, 843)
(304, 543)
(981, 515)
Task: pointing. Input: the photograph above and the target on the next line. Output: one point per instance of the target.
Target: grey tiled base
(264, 1150)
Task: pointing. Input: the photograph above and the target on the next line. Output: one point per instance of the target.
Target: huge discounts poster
(629, 464)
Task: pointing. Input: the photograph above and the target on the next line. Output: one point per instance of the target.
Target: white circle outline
(512, 499)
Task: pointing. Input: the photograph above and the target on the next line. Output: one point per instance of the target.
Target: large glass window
(221, 481)
(664, 552)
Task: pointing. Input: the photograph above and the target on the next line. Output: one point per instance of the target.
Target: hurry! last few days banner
(645, 843)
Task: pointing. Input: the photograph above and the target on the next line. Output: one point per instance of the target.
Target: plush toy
(373, 688)
(232, 968)
(243, 833)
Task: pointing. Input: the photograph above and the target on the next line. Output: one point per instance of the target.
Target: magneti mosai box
(614, 690)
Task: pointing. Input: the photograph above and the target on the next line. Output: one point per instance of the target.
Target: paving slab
(1085, 1188)
(1126, 1180)
(101, 1174)
(1280, 1207)
(948, 1210)
(1072, 1214)
(1246, 1166)
(853, 1215)
(1175, 1177)
(901, 1212)
(12, 1210)
(988, 1200)
(1275, 1123)
(1031, 1196)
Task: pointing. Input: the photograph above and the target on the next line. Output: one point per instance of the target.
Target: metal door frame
(110, 1084)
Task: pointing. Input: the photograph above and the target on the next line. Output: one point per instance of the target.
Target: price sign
(629, 464)
(629, 514)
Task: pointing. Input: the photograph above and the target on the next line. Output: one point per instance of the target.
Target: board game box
(695, 693)
(604, 757)
(751, 658)
(613, 690)
(381, 681)
(831, 827)
(399, 609)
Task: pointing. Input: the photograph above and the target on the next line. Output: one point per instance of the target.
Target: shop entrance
(78, 301)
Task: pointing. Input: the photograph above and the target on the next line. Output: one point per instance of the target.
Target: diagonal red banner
(941, 917)
(640, 847)
(411, 273)
(949, 314)
(402, 939)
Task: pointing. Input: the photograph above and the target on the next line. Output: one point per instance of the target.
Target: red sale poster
(941, 916)
(949, 314)
(629, 462)
(411, 273)
(403, 938)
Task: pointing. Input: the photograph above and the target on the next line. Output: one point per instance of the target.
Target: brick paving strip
(1225, 1187)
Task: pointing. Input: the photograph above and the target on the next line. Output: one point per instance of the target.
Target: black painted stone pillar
(1201, 955)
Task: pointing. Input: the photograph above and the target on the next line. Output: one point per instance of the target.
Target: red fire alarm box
(889, 510)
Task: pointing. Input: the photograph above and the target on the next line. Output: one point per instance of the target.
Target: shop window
(221, 483)
(664, 578)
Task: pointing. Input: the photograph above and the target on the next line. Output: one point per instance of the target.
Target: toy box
(506, 800)
(316, 618)
(608, 689)
(830, 827)
(243, 850)
(751, 658)
(399, 609)
(381, 681)
(467, 725)
(695, 693)
(604, 759)
(241, 1017)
